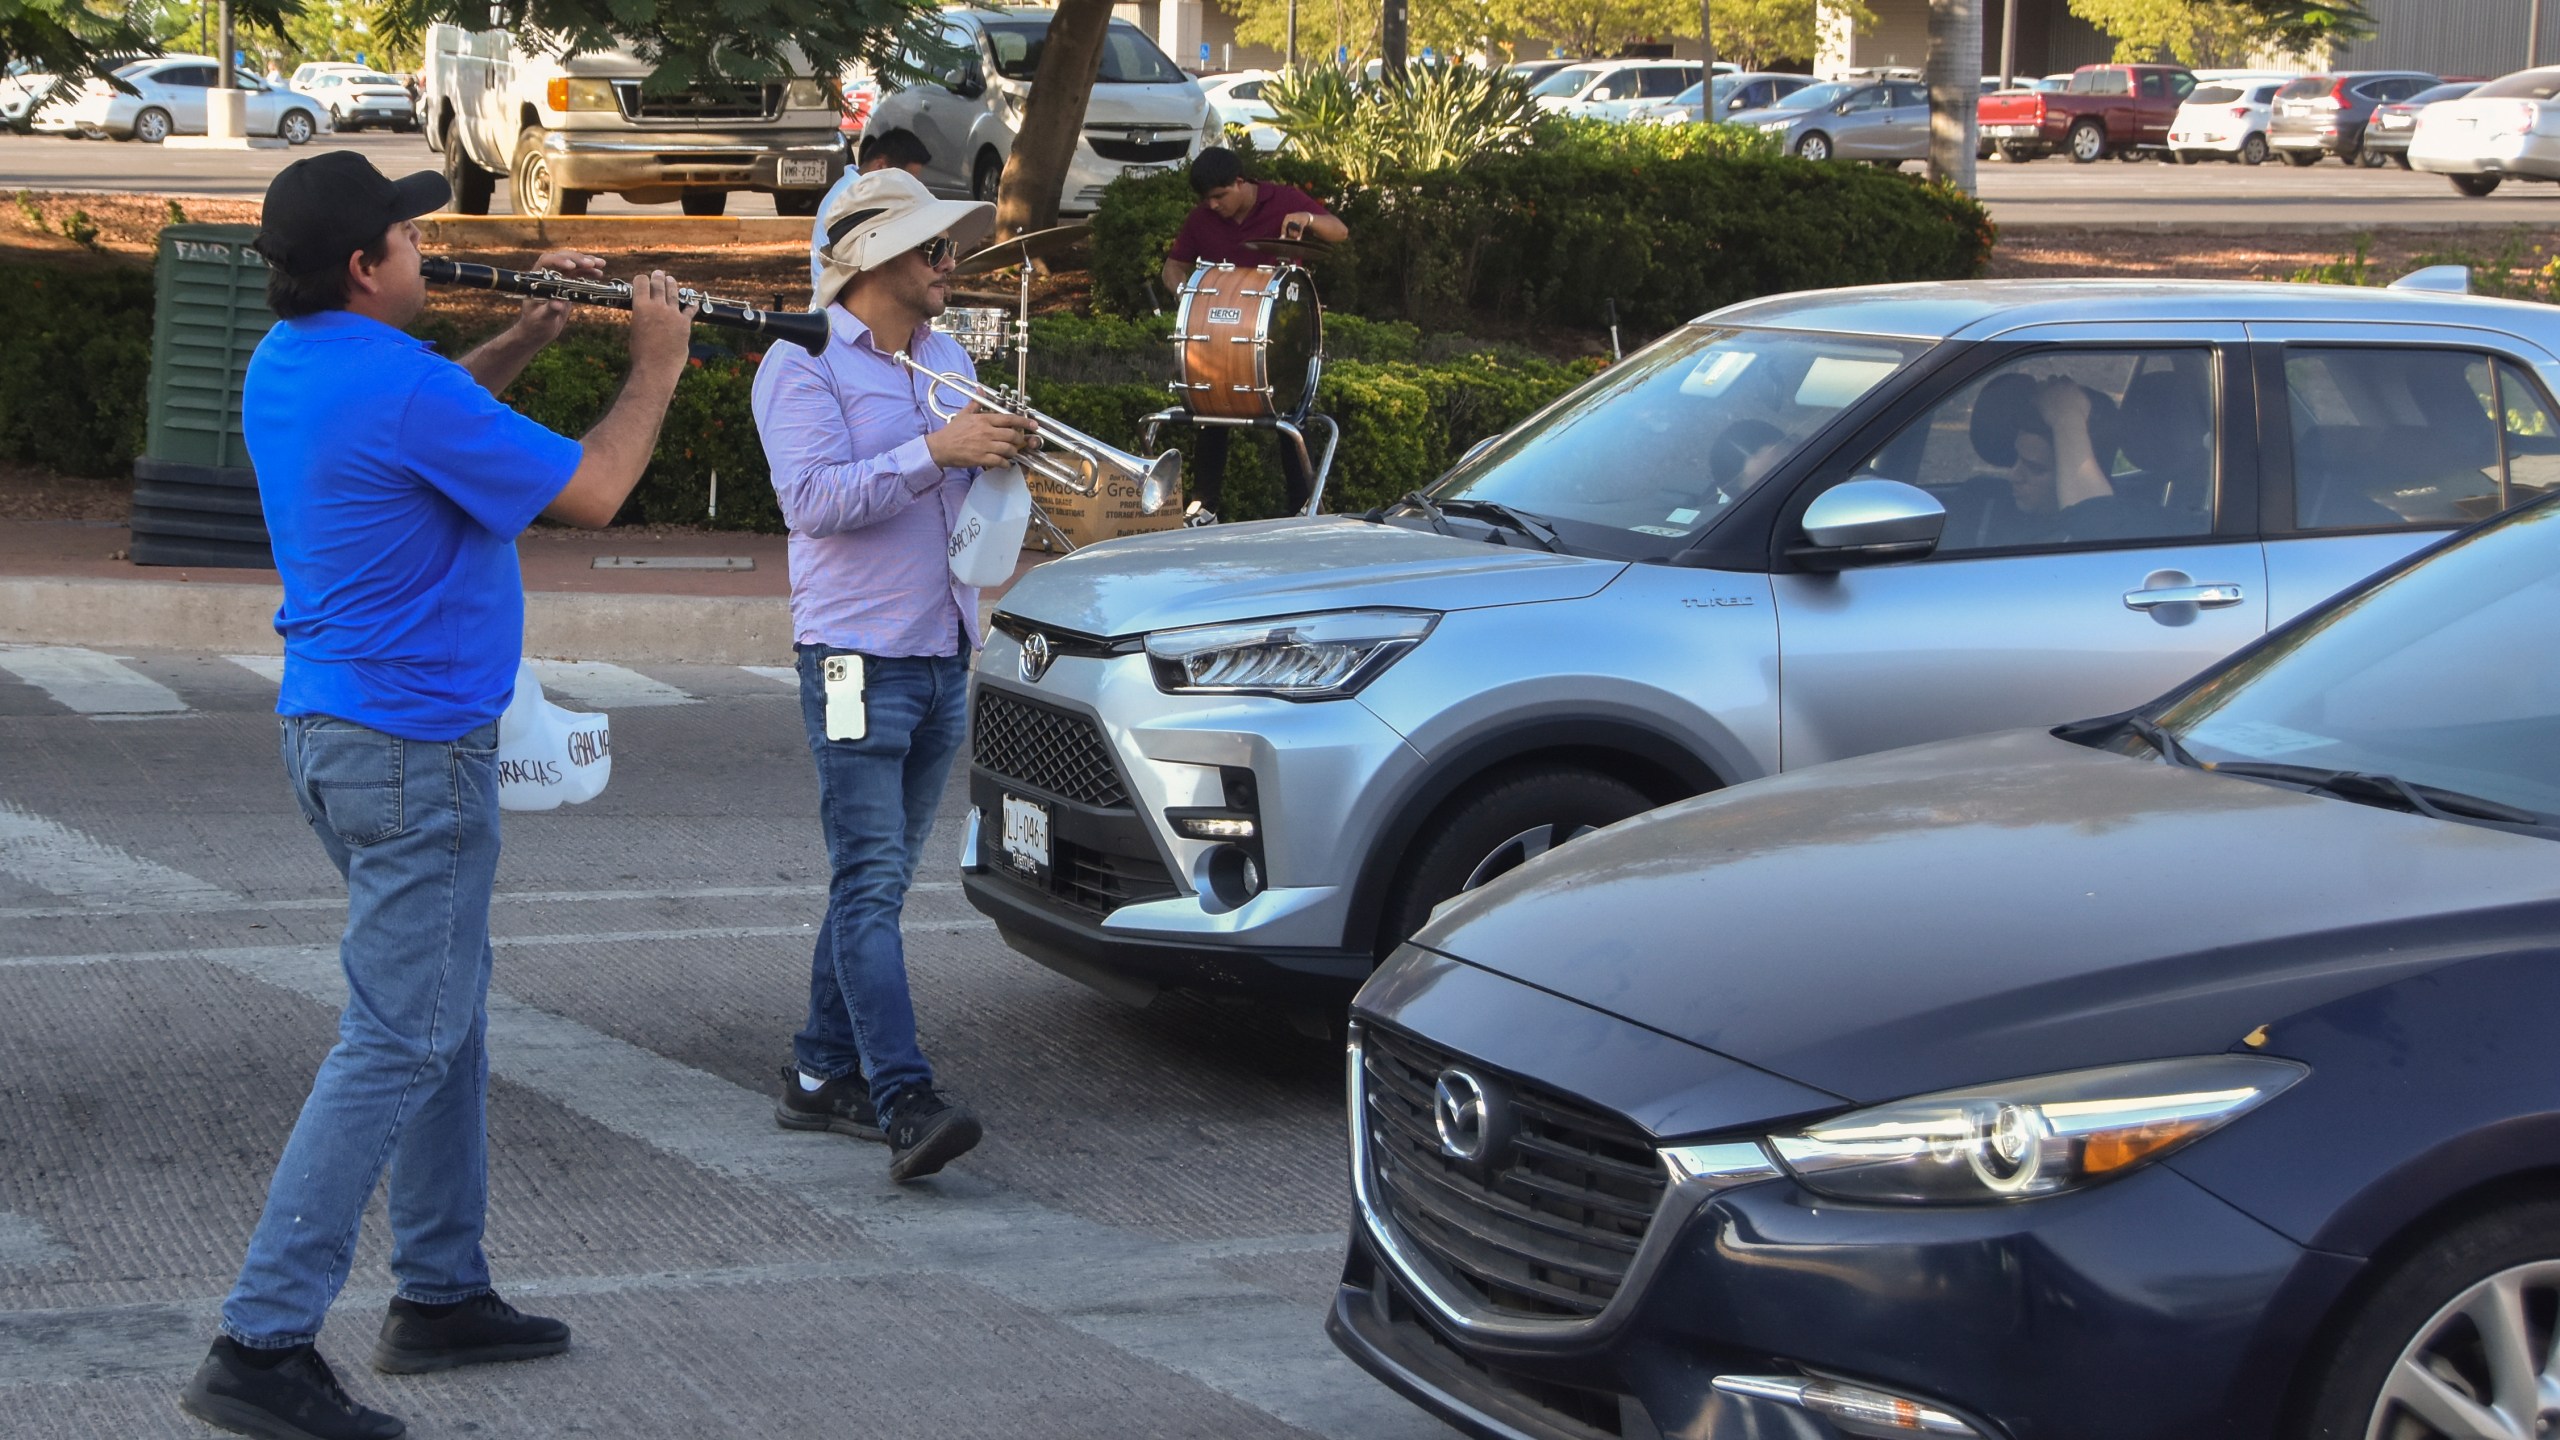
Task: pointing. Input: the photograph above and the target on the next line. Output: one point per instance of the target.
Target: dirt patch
(27, 493)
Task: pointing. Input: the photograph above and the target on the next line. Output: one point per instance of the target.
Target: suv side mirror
(960, 82)
(1602, 93)
(1868, 522)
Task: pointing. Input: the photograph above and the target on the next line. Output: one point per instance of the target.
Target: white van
(1145, 115)
(562, 130)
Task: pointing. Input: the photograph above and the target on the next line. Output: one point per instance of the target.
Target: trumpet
(809, 332)
(1067, 456)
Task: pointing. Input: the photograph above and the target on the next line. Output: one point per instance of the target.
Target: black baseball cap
(325, 208)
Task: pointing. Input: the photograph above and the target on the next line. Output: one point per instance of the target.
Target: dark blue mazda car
(2189, 1073)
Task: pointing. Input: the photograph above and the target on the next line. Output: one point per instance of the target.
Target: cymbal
(1038, 245)
(1291, 249)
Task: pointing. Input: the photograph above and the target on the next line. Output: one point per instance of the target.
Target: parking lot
(2045, 192)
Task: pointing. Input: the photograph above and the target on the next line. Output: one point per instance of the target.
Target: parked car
(306, 72)
(1734, 94)
(1608, 89)
(2194, 1057)
(1237, 98)
(167, 97)
(2119, 110)
(2386, 135)
(23, 87)
(1886, 122)
(1533, 71)
(359, 98)
(2318, 115)
(1146, 115)
(2225, 121)
(2506, 129)
(1250, 759)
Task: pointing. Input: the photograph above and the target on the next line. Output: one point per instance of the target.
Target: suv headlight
(2032, 1137)
(1295, 657)
(806, 95)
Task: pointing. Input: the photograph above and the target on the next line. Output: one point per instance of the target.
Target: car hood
(1983, 909)
(1203, 575)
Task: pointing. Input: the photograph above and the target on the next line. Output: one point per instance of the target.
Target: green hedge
(74, 367)
(1551, 235)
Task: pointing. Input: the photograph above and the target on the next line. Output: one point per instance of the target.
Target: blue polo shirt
(394, 487)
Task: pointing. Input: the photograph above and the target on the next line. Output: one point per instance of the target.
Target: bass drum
(1252, 341)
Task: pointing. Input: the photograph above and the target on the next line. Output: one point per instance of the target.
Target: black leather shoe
(483, 1329)
(927, 1132)
(295, 1399)
(842, 1105)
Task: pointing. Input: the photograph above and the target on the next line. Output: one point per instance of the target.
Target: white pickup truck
(563, 129)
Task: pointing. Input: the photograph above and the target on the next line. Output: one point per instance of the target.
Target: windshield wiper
(2158, 738)
(1505, 516)
(1416, 500)
(2369, 787)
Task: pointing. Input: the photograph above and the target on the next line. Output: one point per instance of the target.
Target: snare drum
(983, 331)
(1252, 341)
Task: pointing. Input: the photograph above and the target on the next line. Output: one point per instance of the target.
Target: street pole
(1292, 63)
(2008, 43)
(2532, 33)
(1707, 56)
(1391, 41)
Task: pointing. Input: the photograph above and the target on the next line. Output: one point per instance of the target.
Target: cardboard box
(1091, 519)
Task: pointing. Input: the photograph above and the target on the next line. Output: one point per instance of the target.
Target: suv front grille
(701, 102)
(1047, 749)
(1548, 1231)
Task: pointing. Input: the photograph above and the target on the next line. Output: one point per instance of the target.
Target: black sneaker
(295, 1398)
(418, 1338)
(927, 1132)
(842, 1105)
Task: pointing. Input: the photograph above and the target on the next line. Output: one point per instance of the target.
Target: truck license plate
(1140, 172)
(803, 172)
(2008, 130)
(1026, 835)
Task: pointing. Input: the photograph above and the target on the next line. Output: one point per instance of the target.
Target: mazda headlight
(1296, 657)
(2028, 1138)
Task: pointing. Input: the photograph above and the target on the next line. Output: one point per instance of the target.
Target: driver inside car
(2037, 437)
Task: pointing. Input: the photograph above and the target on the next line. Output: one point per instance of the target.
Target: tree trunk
(1045, 145)
(1955, 85)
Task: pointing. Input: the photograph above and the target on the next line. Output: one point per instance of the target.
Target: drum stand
(1290, 428)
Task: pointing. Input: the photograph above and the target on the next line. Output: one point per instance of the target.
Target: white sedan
(1237, 98)
(358, 98)
(167, 97)
(2506, 129)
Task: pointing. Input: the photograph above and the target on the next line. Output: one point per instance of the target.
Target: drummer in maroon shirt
(1233, 213)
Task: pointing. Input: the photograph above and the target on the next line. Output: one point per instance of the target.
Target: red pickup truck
(2120, 110)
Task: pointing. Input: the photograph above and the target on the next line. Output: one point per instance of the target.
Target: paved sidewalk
(66, 582)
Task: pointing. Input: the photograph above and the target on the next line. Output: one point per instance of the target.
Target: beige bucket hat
(883, 215)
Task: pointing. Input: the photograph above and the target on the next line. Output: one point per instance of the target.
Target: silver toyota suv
(1252, 758)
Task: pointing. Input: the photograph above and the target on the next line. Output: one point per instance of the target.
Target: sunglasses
(938, 251)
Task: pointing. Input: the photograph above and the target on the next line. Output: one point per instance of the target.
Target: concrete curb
(666, 231)
(226, 618)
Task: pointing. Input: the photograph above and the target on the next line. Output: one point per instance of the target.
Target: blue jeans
(413, 826)
(876, 798)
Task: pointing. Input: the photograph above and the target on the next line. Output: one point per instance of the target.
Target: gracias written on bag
(986, 544)
(548, 756)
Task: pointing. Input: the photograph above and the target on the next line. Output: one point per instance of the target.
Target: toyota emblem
(1458, 1109)
(1036, 656)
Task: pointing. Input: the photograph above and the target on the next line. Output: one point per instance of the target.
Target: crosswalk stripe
(607, 687)
(269, 668)
(782, 673)
(62, 861)
(89, 682)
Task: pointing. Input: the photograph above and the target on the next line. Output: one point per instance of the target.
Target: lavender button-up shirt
(870, 513)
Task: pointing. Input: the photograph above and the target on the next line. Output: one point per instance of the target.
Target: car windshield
(2428, 677)
(2214, 95)
(1127, 56)
(2441, 92)
(2306, 87)
(369, 78)
(1564, 82)
(2522, 85)
(1814, 97)
(1670, 438)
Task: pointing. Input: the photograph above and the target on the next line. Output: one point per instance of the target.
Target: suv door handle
(2203, 597)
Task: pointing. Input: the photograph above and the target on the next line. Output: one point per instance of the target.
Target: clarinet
(809, 332)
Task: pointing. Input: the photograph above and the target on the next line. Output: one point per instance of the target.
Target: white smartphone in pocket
(844, 697)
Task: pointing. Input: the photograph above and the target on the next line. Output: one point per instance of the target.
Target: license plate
(2008, 130)
(1140, 172)
(1026, 835)
(2395, 122)
(803, 172)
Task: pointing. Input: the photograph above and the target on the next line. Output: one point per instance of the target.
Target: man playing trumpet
(871, 483)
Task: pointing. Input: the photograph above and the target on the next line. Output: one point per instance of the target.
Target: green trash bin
(195, 497)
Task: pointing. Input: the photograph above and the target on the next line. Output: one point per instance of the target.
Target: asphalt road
(1144, 1246)
(2044, 192)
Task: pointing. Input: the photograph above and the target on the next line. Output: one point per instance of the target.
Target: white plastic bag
(987, 542)
(548, 756)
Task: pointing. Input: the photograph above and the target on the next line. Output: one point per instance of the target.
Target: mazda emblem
(1035, 659)
(1458, 1108)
